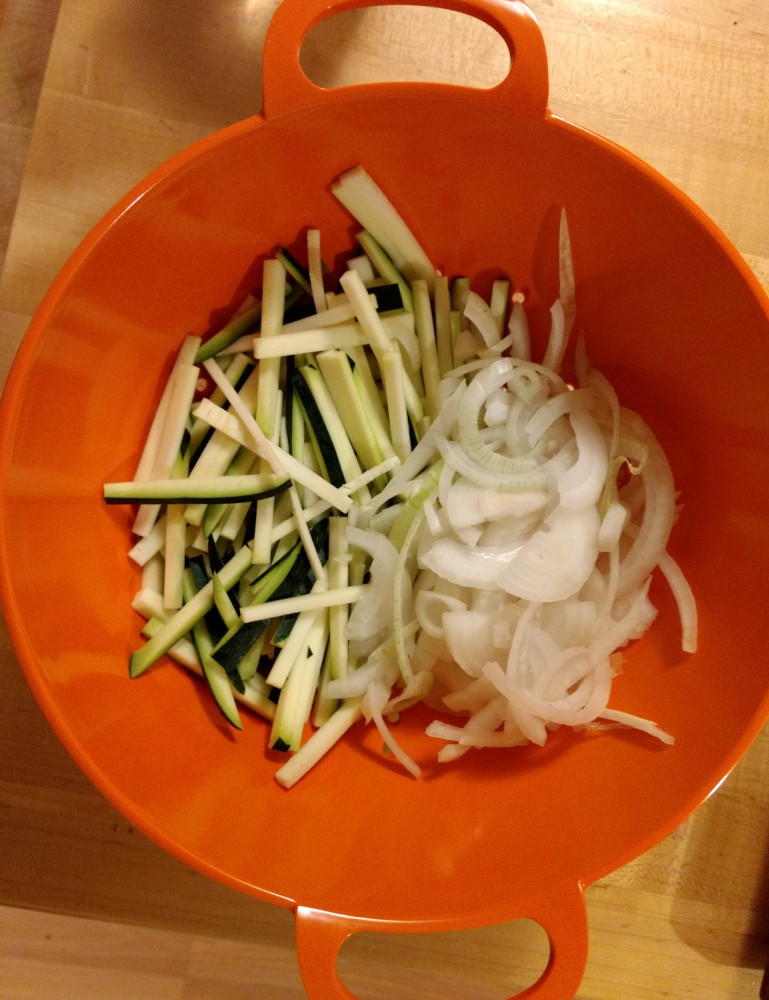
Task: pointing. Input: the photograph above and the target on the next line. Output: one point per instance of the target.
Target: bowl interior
(670, 318)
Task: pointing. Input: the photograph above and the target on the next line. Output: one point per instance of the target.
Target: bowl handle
(562, 913)
(286, 87)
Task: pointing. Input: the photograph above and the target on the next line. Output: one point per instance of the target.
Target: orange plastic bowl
(481, 175)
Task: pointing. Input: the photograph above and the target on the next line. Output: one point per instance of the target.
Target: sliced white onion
(458, 459)
(430, 608)
(659, 509)
(376, 698)
(632, 625)
(478, 312)
(582, 484)
(557, 560)
(469, 567)
(467, 504)
(556, 344)
(684, 597)
(578, 708)
(497, 409)
(469, 421)
(470, 639)
(556, 406)
(374, 612)
(636, 722)
(612, 526)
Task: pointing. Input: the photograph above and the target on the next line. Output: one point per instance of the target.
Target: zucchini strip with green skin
(185, 653)
(243, 464)
(289, 576)
(382, 263)
(370, 206)
(208, 490)
(316, 425)
(338, 578)
(179, 624)
(337, 372)
(318, 745)
(237, 327)
(219, 452)
(248, 432)
(366, 387)
(425, 329)
(295, 703)
(218, 680)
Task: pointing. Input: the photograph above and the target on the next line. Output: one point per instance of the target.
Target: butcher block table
(682, 83)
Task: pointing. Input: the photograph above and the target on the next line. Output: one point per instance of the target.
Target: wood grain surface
(682, 83)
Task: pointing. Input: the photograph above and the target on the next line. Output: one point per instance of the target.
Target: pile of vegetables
(354, 500)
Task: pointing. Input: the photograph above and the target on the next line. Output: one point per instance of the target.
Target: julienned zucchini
(229, 479)
(211, 489)
(182, 622)
(218, 680)
(239, 639)
(289, 576)
(319, 430)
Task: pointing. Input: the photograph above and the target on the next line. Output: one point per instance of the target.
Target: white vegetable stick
(174, 551)
(336, 426)
(368, 391)
(268, 392)
(318, 745)
(152, 571)
(443, 336)
(289, 524)
(304, 533)
(149, 545)
(148, 602)
(311, 341)
(248, 432)
(184, 383)
(186, 356)
(315, 268)
(179, 403)
(303, 602)
(362, 264)
(296, 642)
(425, 329)
(358, 422)
(338, 579)
(369, 475)
(391, 364)
(365, 312)
(500, 293)
(367, 203)
(295, 703)
(340, 313)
